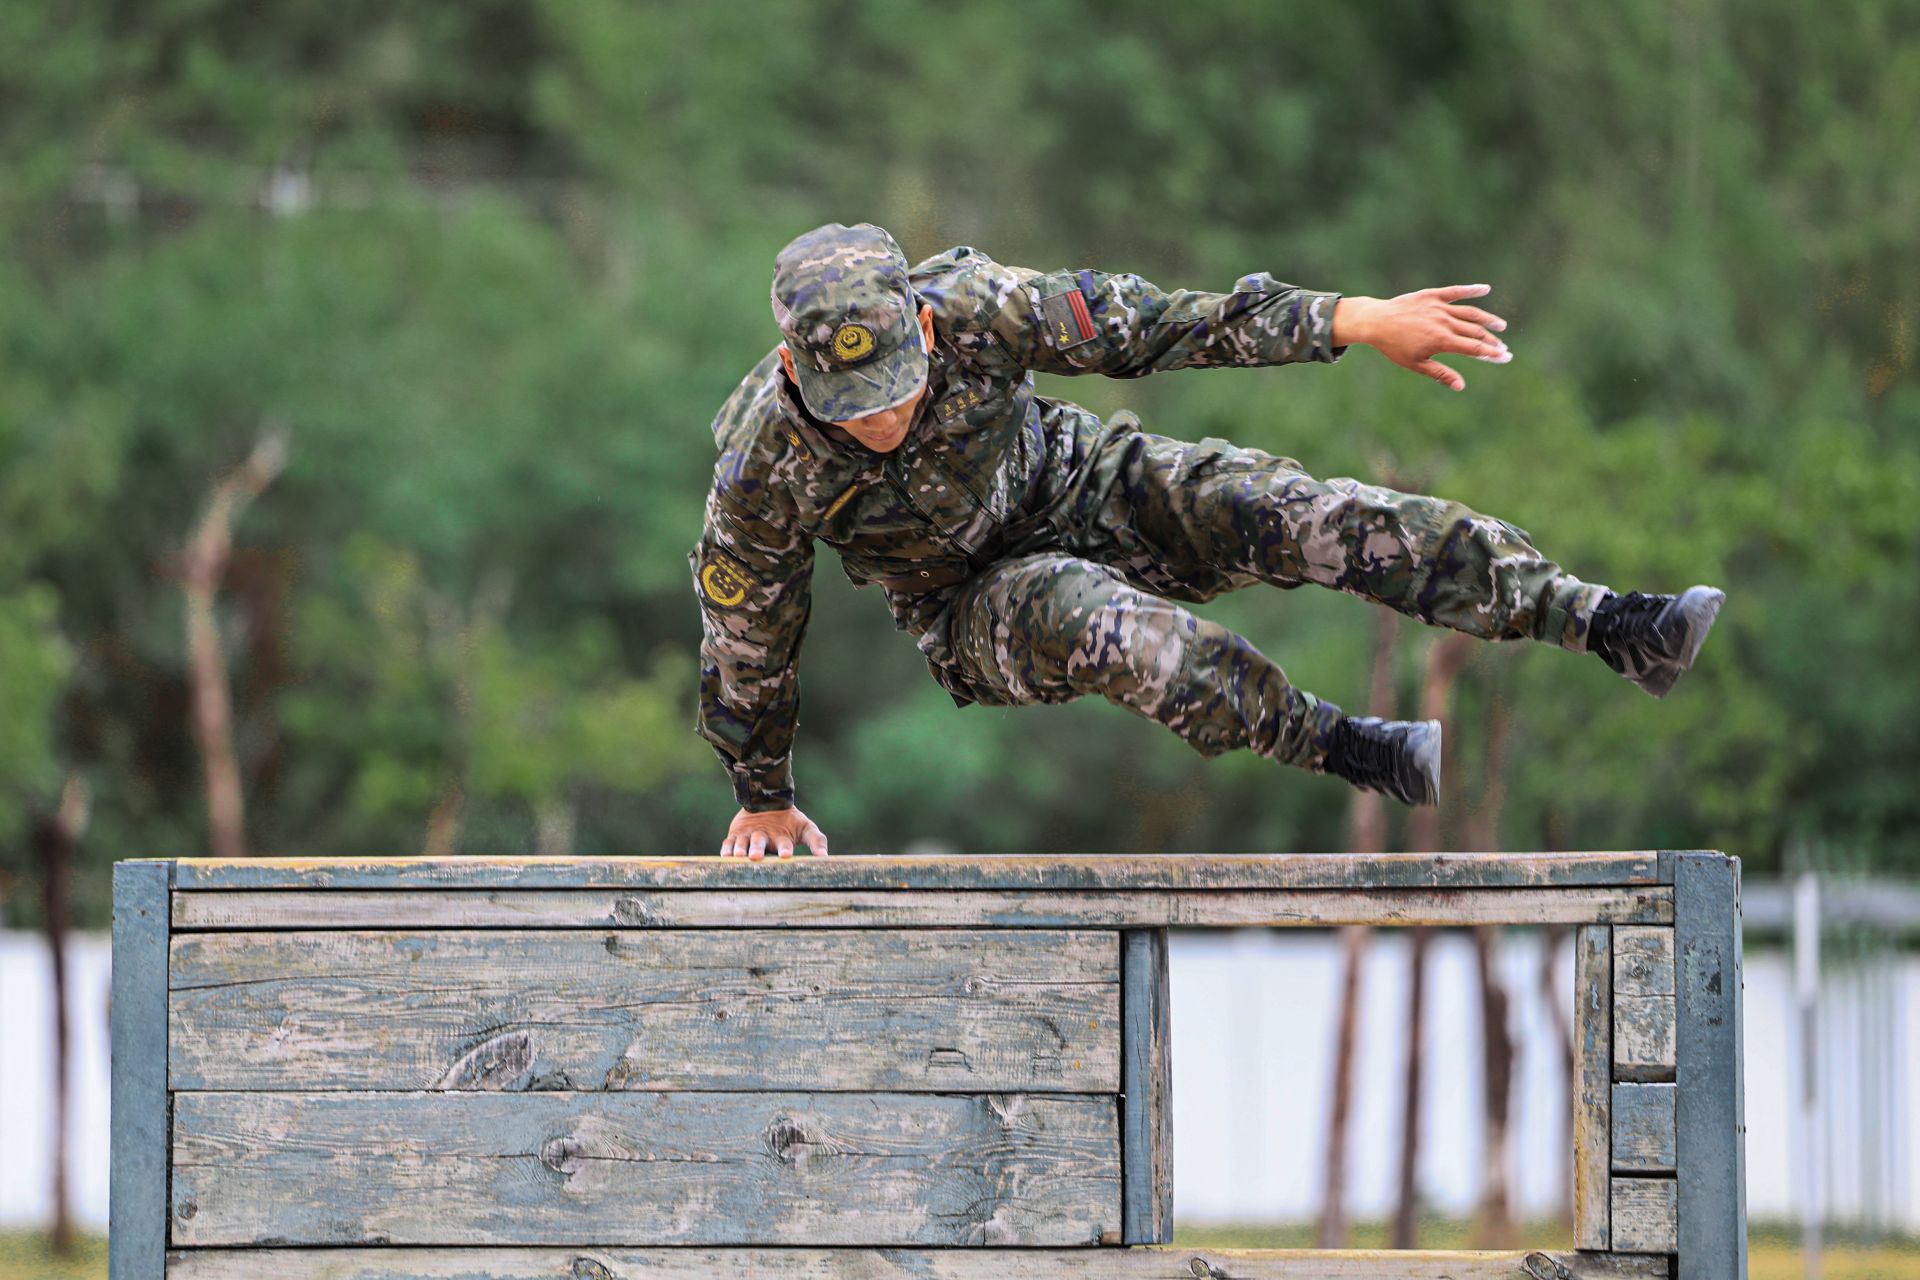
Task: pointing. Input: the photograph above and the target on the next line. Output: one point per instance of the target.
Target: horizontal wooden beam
(1102, 871)
(644, 1169)
(1142, 1263)
(971, 1010)
(896, 909)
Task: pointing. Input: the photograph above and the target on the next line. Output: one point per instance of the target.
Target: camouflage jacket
(978, 470)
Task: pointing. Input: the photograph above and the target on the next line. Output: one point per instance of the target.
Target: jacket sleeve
(1075, 322)
(753, 573)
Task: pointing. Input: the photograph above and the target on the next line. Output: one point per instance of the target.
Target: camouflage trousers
(1148, 521)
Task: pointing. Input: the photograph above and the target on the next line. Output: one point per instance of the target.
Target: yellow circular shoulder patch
(851, 341)
(723, 582)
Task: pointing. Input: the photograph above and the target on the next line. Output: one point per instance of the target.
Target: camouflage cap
(841, 297)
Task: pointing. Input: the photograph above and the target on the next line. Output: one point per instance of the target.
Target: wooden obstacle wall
(602, 1069)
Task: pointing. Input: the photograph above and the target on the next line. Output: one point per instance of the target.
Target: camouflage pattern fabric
(1159, 520)
(1062, 525)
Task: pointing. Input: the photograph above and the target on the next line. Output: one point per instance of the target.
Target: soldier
(1035, 552)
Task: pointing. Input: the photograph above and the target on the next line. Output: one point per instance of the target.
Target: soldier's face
(885, 431)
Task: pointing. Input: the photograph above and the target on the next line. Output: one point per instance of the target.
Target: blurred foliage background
(492, 267)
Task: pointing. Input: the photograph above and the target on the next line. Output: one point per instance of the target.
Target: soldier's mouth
(883, 441)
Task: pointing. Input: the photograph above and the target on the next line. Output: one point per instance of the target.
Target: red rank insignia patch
(1067, 319)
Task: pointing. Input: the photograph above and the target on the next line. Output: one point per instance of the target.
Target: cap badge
(851, 341)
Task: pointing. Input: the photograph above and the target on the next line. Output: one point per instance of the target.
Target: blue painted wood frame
(137, 1206)
(1146, 1103)
(1709, 1104)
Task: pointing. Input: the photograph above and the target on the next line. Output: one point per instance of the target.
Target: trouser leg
(1213, 508)
(1051, 627)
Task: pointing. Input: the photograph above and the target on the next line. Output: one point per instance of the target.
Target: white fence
(1253, 1019)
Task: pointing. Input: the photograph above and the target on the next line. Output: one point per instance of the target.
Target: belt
(1015, 538)
(931, 578)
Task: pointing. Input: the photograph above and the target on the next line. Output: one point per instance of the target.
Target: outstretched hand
(751, 835)
(1414, 327)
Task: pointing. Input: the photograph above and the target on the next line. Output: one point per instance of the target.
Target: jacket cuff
(1316, 319)
(759, 791)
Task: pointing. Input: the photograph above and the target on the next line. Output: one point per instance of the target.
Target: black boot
(1399, 757)
(1651, 639)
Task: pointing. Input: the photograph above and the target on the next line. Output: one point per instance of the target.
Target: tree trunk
(1406, 1214)
(553, 822)
(54, 839)
(1366, 833)
(1550, 991)
(1332, 1231)
(1494, 1226)
(1444, 661)
(203, 565)
(1550, 940)
(443, 824)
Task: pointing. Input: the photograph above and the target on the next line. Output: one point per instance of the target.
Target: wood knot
(589, 1269)
(628, 910)
(1007, 1108)
(1544, 1267)
(1199, 1267)
(494, 1063)
(563, 1155)
(186, 1210)
(788, 1141)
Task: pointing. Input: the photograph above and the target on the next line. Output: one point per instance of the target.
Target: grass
(1773, 1254)
(24, 1255)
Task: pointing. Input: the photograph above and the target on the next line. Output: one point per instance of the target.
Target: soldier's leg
(1214, 506)
(1051, 627)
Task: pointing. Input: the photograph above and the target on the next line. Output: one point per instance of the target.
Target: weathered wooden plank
(964, 1010)
(1146, 1084)
(644, 1169)
(1643, 1037)
(137, 1190)
(1709, 1105)
(1643, 1128)
(1098, 871)
(1593, 1097)
(1147, 1263)
(894, 908)
(1642, 962)
(1645, 1215)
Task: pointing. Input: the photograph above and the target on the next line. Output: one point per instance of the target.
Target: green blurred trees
(494, 266)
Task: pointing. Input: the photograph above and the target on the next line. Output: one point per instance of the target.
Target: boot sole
(1700, 606)
(1430, 753)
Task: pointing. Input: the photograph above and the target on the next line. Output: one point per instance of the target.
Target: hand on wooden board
(751, 835)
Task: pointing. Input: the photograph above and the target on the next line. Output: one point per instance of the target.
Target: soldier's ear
(786, 358)
(926, 324)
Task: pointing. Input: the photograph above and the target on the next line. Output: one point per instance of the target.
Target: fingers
(1441, 374)
(1472, 340)
(1485, 319)
(782, 839)
(1453, 292)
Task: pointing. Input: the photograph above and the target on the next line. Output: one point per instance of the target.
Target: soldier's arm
(1075, 322)
(753, 571)
(1125, 327)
